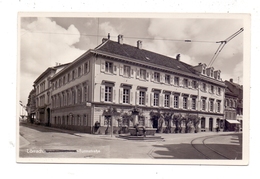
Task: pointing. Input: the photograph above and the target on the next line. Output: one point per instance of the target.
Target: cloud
(43, 43)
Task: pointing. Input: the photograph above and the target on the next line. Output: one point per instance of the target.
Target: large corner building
(122, 76)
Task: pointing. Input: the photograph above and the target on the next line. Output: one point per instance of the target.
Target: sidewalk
(115, 136)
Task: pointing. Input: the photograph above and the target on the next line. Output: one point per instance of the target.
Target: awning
(232, 121)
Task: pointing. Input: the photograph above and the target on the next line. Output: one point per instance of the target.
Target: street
(46, 142)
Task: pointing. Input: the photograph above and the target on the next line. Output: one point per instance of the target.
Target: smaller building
(233, 106)
(42, 86)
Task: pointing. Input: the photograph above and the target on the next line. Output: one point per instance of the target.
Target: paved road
(44, 142)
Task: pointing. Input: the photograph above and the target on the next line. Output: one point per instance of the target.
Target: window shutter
(162, 78)
(88, 67)
(114, 69)
(132, 73)
(171, 101)
(198, 104)
(151, 98)
(121, 70)
(216, 106)
(102, 65)
(181, 81)
(114, 95)
(137, 97)
(188, 103)
(162, 99)
(102, 93)
(172, 80)
(189, 83)
(87, 93)
(147, 75)
(180, 102)
(146, 99)
(131, 97)
(138, 73)
(208, 105)
(152, 76)
(121, 95)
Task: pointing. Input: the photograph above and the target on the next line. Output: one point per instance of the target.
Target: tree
(110, 113)
(191, 122)
(167, 117)
(177, 120)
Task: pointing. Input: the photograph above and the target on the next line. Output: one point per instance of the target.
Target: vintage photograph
(126, 89)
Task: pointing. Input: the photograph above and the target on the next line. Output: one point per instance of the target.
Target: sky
(45, 41)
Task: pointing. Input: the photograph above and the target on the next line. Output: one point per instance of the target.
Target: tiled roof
(143, 55)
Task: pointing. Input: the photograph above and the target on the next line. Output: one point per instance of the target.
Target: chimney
(231, 80)
(178, 57)
(139, 44)
(108, 36)
(120, 39)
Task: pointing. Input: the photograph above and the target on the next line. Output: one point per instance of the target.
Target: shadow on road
(185, 150)
(45, 128)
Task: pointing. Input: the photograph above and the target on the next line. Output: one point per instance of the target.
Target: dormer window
(211, 72)
(204, 71)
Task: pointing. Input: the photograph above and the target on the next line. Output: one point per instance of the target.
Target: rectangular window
(73, 75)
(167, 79)
(218, 106)
(185, 102)
(212, 89)
(176, 81)
(142, 74)
(185, 83)
(211, 105)
(141, 97)
(203, 104)
(219, 91)
(126, 96)
(64, 80)
(194, 84)
(86, 67)
(79, 71)
(156, 77)
(166, 100)
(127, 71)
(204, 86)
(108, 93)
(109, 67)
(176, 102)
(156, 99)
(193, 103)
(68, 77)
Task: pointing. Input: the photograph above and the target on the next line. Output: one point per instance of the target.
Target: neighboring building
(233, 105)
(43, 92)
(121, 76)
(22, 112)
(31, 106)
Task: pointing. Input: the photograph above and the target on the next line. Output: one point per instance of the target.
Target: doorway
(210, 124)
(48, 117)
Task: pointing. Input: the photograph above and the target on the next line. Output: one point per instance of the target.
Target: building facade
(126, 77)
(233, 106)
(42, 88)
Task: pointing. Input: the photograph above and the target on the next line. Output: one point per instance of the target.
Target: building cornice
(71, 65)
